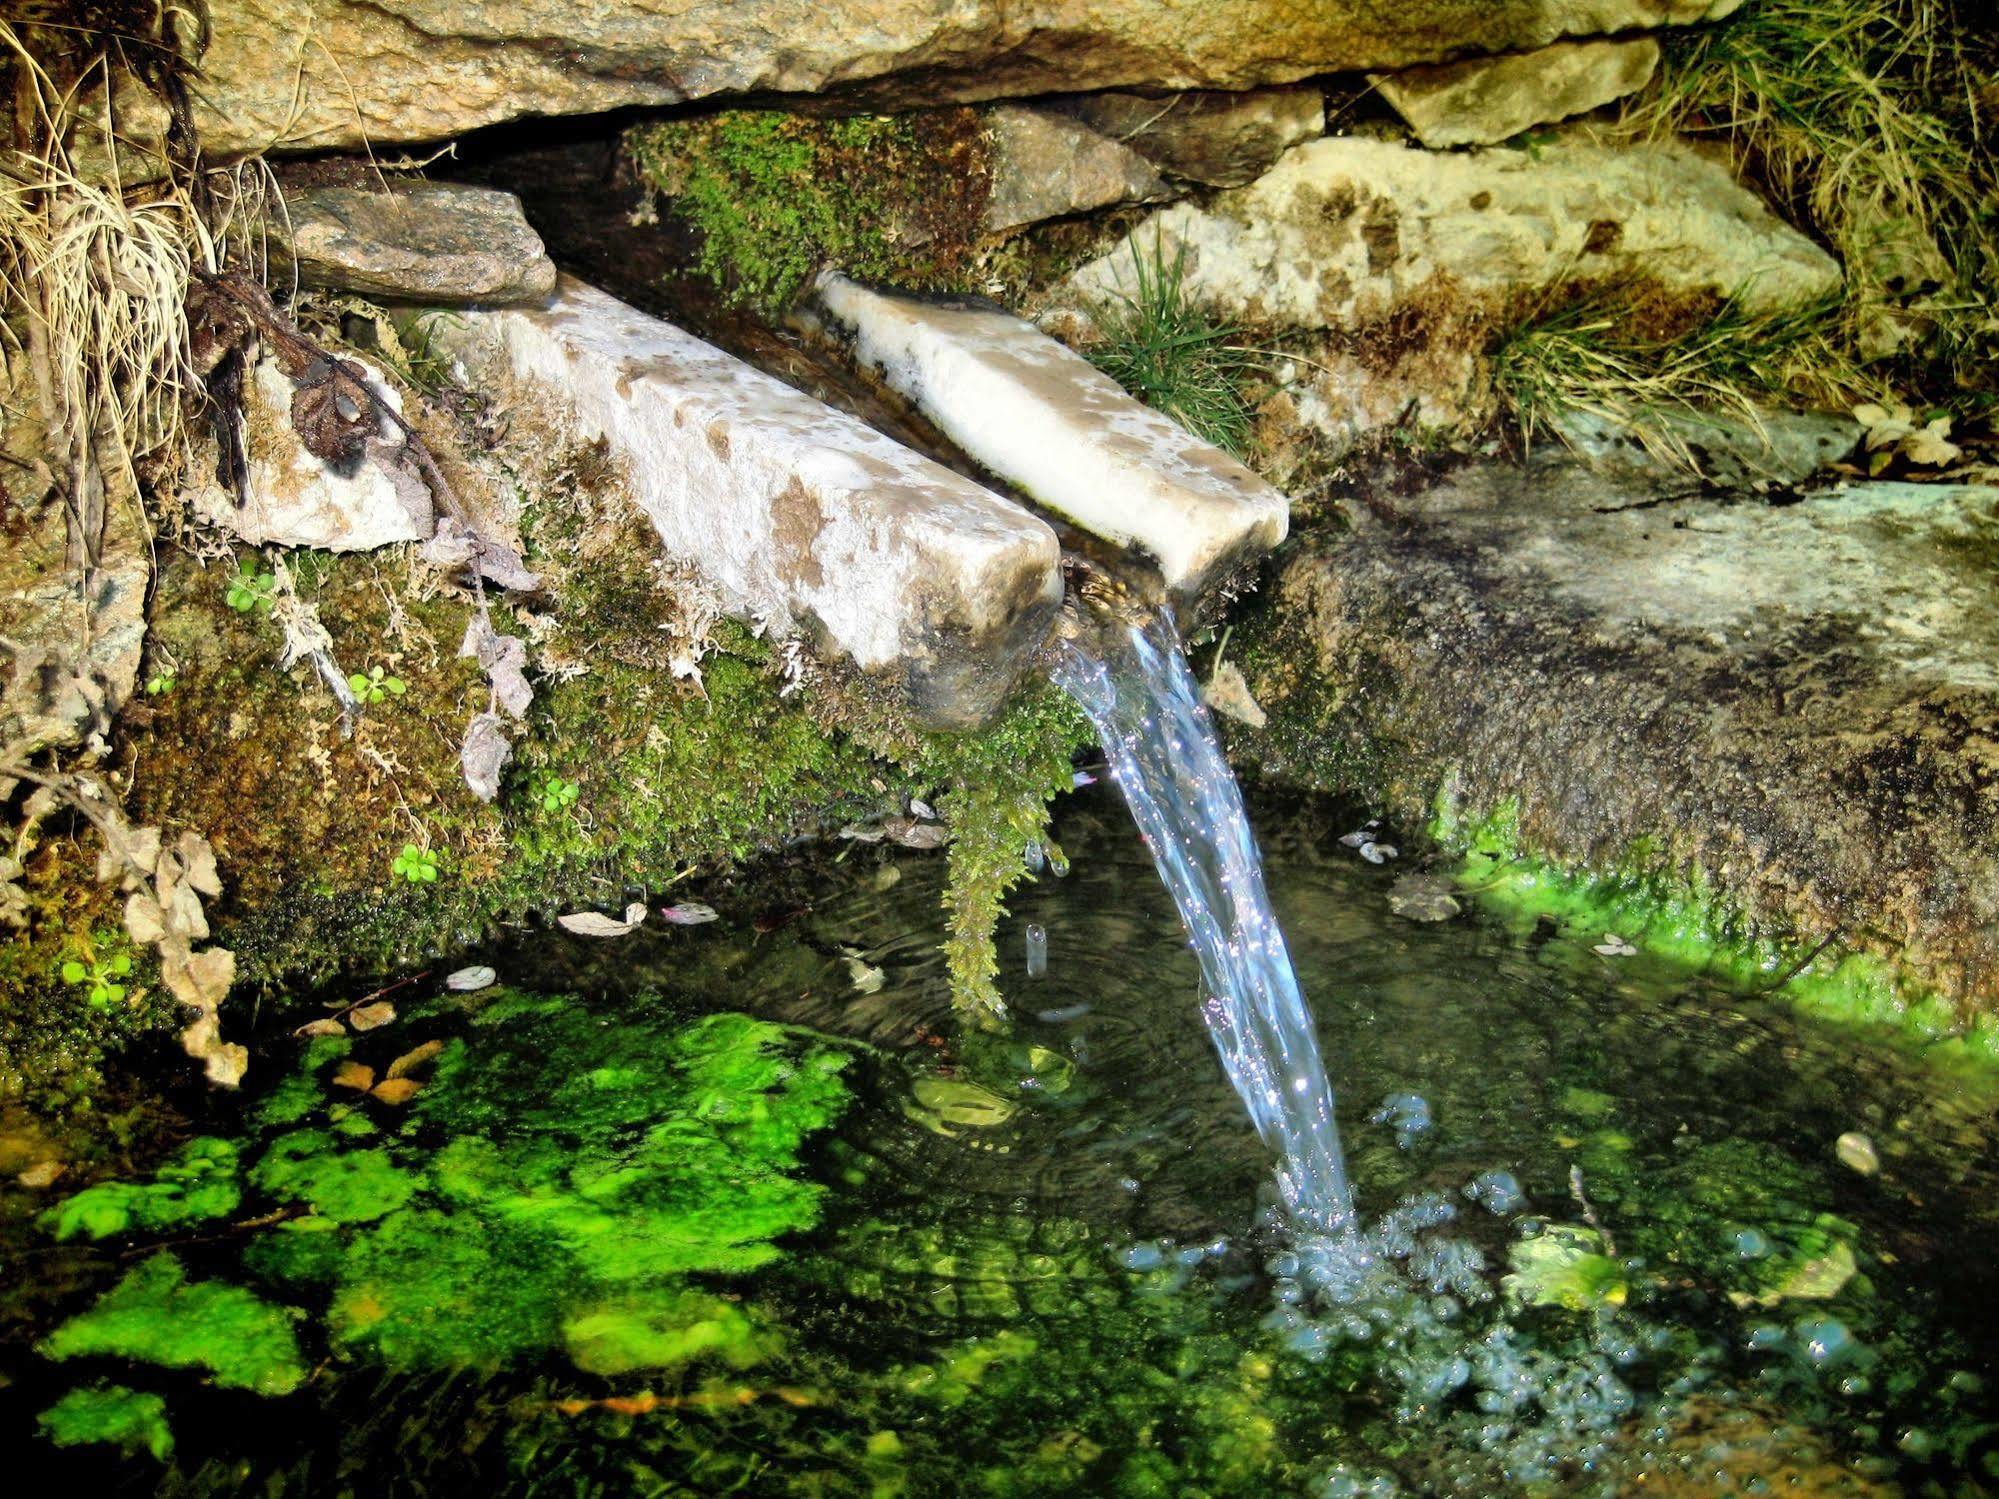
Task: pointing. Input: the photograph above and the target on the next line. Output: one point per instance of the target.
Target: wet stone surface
(1789, 698)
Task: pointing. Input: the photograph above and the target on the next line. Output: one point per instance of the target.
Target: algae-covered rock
(558, 1179)
(1784, 710)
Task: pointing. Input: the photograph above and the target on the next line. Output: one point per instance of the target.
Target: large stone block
(797, 514)
(1794, 700)
(1408, 261)
(296, 74)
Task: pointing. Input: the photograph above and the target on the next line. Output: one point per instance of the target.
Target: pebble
(1856, 1151)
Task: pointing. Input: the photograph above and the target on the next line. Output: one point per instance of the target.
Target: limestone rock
(1484, 100)
(1052, 424)
(1797, 696)
(1047, 165)
(429, 242)
(797, 515)
(299, 500)
(1407, 260)
(315, 74)
(1204, 135)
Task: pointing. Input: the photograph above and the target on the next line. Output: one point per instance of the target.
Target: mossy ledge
(662, 742)
(1711, 715)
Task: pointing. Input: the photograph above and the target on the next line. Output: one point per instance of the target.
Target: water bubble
(1499, 1191)
(1144, 1257)
(1751, 1243)
(1036, 860)
(1037, 950)
(1825, 1340)
(1407, 1113)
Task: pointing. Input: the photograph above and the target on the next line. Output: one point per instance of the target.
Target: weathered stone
(1778, 447)
(1799, 698)
(299, 500)
(1409, 260)
(796, 514)
(1046, 165)
(1484, 100)
(335, 73)
(1203, 135)
(1053, 424)
(422, 242)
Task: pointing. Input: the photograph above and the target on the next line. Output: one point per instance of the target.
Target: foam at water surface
(1169, 765)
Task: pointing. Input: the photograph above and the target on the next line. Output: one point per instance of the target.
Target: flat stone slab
(1048, 421)
(1481, 101)
(1799, 698)
(1209, 136)
(420, 242)
(799, 515)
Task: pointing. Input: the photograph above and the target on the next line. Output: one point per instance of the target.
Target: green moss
(1677, 916)
(119, 1417)
(198, 1184)
(155, 1315)
(340, 1185)
(557, 1181)
(774, 196)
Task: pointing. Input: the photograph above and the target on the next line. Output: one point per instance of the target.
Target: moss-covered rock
(1759, 734)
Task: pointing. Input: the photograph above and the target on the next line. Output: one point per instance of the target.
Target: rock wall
(298, 74)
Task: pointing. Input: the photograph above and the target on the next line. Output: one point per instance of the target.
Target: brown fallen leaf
(397, 1091)
(326, 1025)
(41, 1174)
(356, 1075)
(371, 1017)
(410, 1060)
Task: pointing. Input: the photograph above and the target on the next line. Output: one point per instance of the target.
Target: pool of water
(591, 1232)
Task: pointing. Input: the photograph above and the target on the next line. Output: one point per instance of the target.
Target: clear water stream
(1141, 696)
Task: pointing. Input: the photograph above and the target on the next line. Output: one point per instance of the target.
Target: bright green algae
(552, 1187)
(156, 1315)
(1678, 918)
(127, 1419)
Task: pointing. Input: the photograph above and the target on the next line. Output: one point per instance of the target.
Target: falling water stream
(1162, 748)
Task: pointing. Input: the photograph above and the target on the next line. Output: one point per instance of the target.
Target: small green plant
(159, 684)
(554, 794)
(375, 685)
(104, 976)
(1163, 349)
(251, 589)
(417, 865)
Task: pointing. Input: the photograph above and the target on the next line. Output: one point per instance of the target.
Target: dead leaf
(689, 913)
(1423, 897)
(414, 1058)
(1930, 446)
(42, 1174)
(322, 1027)
(356, 1075)
(333, 413)
(397, 1091)
(865, 976)
(484, 754)
(371, 1017)
(457, 545)
(1228, 694)
(467, 980)
(596, 924)
(503, 658)
(201, 981)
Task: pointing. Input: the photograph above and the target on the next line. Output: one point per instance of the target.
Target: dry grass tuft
(1586, 359)
(1868, 122)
